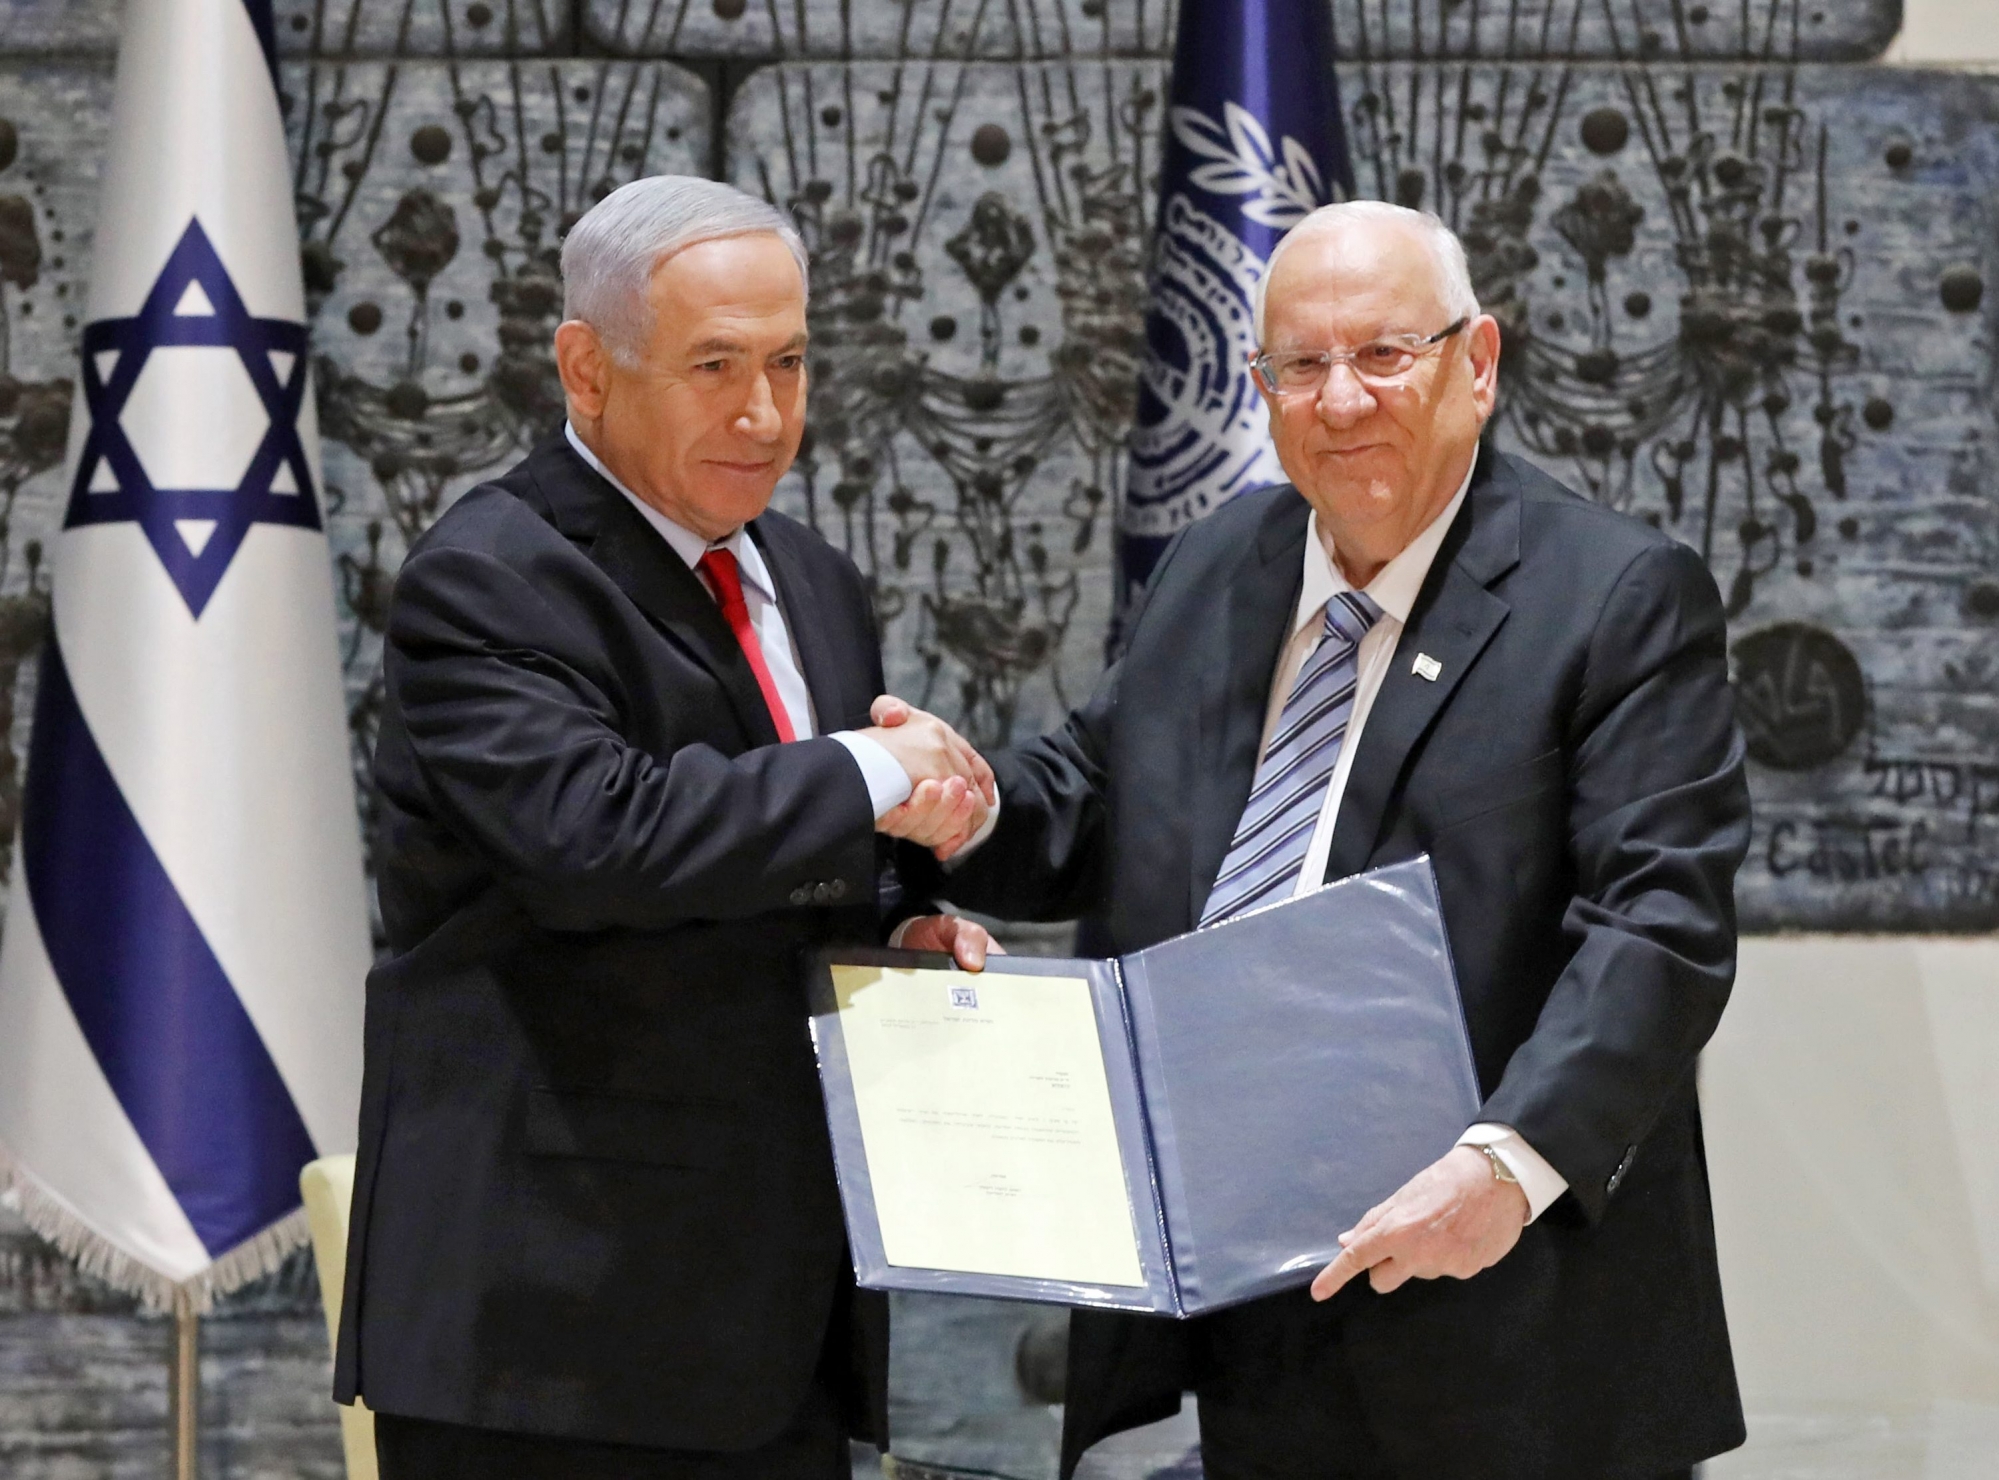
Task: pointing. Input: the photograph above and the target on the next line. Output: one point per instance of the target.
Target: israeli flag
(1253, 144)
(186, 936)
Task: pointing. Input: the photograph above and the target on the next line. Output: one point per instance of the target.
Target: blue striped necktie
(1290, 787)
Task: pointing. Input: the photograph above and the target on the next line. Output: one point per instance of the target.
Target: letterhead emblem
(965, 997)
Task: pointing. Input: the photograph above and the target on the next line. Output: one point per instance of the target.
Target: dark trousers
(1278, 1401)
(812, 1447)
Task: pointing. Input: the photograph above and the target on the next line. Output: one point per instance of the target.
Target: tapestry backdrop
(1742, 274)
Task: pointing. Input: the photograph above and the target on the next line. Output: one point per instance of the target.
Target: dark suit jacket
(595, 1194)
(1575, 772)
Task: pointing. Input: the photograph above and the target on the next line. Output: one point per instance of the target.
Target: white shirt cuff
(1541, 1182)
(888, 783)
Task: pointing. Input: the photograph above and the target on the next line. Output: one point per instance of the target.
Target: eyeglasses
(1384, 362)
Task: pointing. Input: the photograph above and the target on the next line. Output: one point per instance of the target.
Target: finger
(969, 945)
(1370, 1219)
(963, 759)
(1369, 1246)
(953, 806)
(914, 818)
(980, 776)
(889, 711)
(954, 818)
(1387, 1276)
(917, 807)
(964, 756)
(948, 847)
(1329, 1280)
(928, 829)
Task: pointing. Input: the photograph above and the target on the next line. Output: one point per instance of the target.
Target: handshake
(952, 789)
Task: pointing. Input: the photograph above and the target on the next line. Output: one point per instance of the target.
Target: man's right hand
(926, 747)
(952, 786)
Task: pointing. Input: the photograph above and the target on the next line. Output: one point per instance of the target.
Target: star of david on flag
(193, 323)
(186, 934)
(1253, 144)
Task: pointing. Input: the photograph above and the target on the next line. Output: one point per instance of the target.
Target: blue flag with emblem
(186, 933)
(1253, 144)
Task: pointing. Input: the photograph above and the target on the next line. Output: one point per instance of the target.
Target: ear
(585, 367)
(1484, 356)
(1256, 382)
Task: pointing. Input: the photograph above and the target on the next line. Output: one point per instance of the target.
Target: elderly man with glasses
(1420, 646)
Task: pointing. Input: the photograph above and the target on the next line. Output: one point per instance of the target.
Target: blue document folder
(1269, 1078)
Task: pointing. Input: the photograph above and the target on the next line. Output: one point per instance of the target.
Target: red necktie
(719, 566)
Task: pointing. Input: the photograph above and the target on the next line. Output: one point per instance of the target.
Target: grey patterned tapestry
(1742, 272)
(1742, 287)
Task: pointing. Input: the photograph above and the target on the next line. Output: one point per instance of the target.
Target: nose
(1344, 399)
(760, 419)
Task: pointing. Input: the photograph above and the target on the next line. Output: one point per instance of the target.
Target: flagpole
(184, 1387)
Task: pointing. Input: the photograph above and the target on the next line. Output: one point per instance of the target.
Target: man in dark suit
(1422, 647)
(595, 1227)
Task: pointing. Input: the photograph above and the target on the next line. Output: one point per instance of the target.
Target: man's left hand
(968, 942)
(1452, 1218)
(940, 815)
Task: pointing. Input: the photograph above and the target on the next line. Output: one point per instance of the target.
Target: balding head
(1375, 228)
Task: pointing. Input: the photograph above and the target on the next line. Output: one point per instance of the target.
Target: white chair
(328, 1185)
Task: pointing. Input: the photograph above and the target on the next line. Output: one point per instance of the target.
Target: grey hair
(610, 254)
(1446, 251)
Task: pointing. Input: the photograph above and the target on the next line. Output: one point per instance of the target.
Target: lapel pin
(1426, 667)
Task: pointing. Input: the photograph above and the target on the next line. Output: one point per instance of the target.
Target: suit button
(838, 888)
(821, 892)
(802, 894)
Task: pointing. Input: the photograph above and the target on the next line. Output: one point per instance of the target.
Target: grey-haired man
(627, 782)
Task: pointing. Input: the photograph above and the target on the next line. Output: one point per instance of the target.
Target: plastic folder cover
(1298, 1065)
(1270, 1078)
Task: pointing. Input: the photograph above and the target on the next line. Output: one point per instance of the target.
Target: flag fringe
(96, 1256)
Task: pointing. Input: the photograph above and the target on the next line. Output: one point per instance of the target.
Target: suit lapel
(1258, 602)
(1455, 616)
(631, 552)
(804, 614)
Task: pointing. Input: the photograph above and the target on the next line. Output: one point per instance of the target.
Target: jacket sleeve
(1658, 824)
(520, 753)
(1049, 856)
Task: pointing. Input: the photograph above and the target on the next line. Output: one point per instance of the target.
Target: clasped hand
(951, 791)
(952, 787)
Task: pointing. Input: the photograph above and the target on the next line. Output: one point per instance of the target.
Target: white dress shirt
(1394, 589)
(888, 784)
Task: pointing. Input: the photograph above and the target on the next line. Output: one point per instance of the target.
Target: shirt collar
(688, 545)
(1395, 586)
